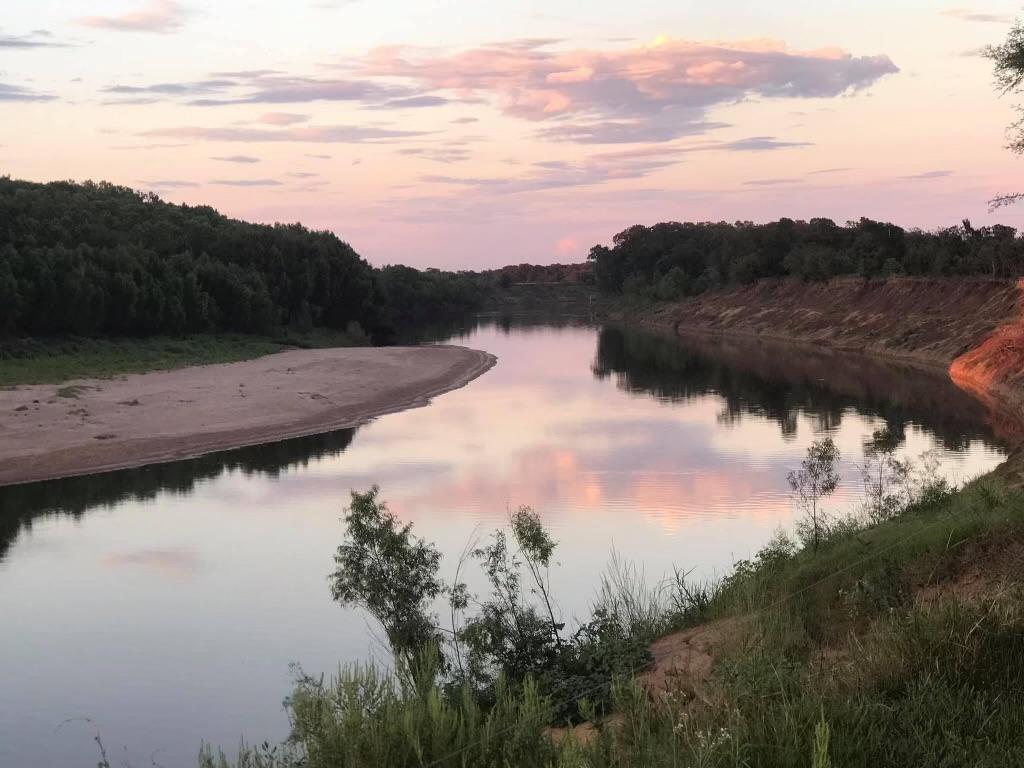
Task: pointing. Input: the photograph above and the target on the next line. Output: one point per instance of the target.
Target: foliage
(509, 275)
(1008, 64)
(670, 260)
(816, 479)
(97, 259)
(512, 637)
(366, 718)
(384, 569)
(412, 296)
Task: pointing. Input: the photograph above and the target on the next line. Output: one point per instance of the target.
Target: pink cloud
(653, 92)
(155, 16)
(328, 134)
(282, 118)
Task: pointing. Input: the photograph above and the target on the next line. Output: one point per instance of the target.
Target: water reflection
(166, 603)
(74, 496)
(763, 380)
(780, 383)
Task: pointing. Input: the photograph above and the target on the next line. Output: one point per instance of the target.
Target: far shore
(96, 425)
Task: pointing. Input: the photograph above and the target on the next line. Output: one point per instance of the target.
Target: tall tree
(1008, 60)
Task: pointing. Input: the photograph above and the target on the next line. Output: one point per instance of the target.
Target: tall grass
(52, 361)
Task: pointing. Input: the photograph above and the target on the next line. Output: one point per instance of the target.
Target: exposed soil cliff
(931, 321)
(994, 369)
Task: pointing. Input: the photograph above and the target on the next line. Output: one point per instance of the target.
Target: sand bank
(94, 425)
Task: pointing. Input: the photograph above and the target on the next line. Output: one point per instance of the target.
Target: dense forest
(99, 259)
(538, 273)
(670, 260)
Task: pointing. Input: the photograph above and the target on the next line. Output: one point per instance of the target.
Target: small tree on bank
(383, 568)
(816, 479)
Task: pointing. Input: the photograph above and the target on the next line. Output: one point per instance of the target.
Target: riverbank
(54, 360)
(96, 425)
(930, 321)
(970, 328)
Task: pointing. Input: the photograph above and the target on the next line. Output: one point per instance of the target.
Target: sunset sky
(474, 134)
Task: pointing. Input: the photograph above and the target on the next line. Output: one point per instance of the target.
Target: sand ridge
(94, 425)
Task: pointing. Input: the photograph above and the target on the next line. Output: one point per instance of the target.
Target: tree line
(101, 259)
(670, 260)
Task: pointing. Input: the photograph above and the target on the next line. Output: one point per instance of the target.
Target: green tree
(1008, 62)
(393, 575)
(816, 479)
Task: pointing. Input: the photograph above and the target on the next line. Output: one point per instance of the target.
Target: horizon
(420, 135)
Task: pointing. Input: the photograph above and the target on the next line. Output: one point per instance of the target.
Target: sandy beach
(94, 425)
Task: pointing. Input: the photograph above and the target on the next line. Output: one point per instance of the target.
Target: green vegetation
(668, 261)
(101, 260)
(882, 646)
(1008, 61)
(51, 361)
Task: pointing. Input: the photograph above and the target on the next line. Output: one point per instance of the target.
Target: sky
(468, 135)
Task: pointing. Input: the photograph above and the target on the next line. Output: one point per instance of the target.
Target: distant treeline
(99, 259)
(512, 274)
(670, 260)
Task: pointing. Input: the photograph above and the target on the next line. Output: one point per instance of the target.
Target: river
(163, 606)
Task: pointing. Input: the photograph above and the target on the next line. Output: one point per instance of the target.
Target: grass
(838, 659)
(54, 361)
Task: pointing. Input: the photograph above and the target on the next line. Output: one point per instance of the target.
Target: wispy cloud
(272, 88)
(600, 167)
(237, 159)
(21, 93)
(37, 38)
(759, 144)
(327, 134)
(970, 14)
(927, 175)
(282, 118)
(769, 182)
(156, 92)
(655, 92)
(169, 184)
(413, 102)
(161, 16)
(248, 182)
(554, 174)
(158, 145)
(190, 88)
(440, 154)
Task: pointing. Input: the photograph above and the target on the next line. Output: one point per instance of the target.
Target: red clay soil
(994, 369)
(682, 664)
(683, 661)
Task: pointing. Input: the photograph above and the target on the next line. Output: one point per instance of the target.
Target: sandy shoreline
(96, 425)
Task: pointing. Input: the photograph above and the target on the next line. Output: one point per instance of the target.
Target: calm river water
(162, 607)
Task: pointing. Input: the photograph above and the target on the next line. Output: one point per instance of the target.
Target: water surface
(162, 606)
